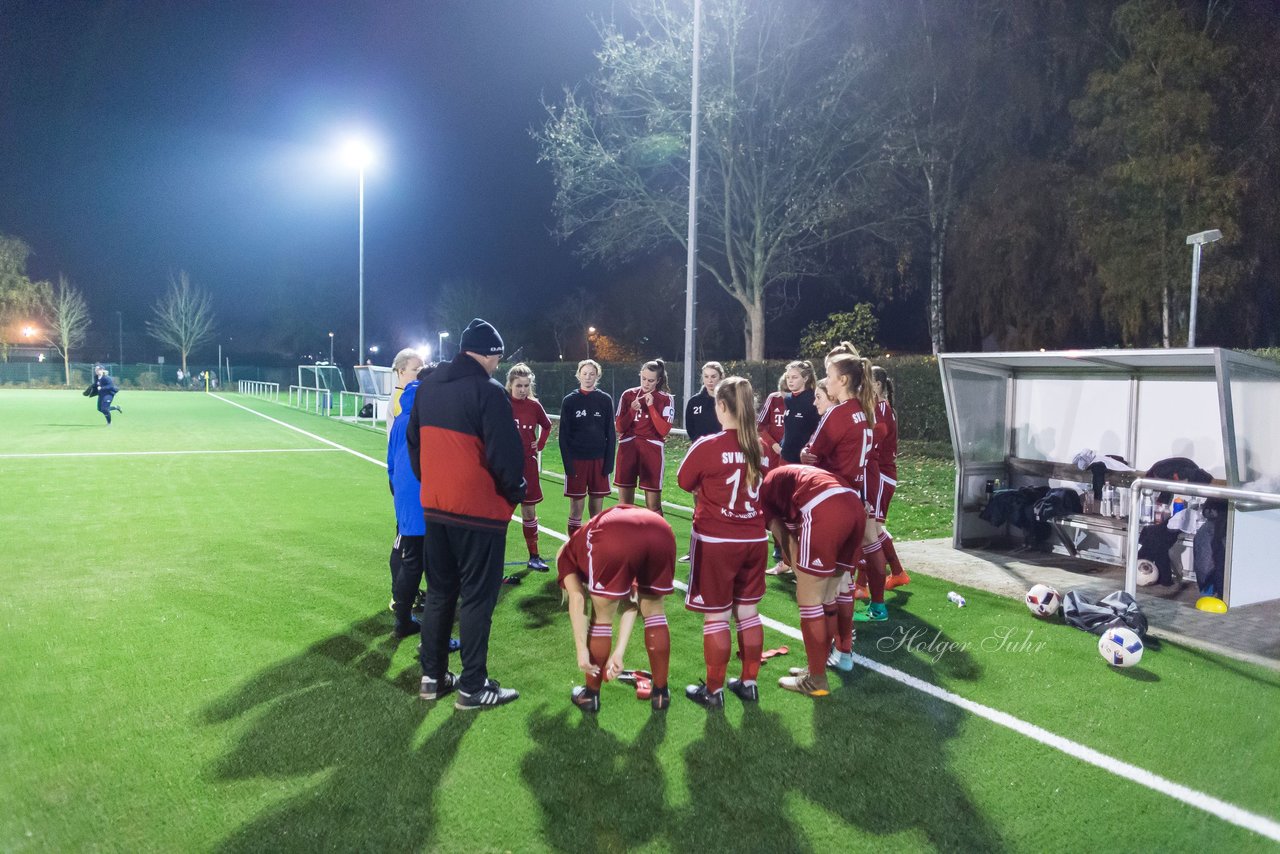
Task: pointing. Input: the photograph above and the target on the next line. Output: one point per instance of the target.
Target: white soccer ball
(1120, 647)
(1148, 574)
(1043, 600)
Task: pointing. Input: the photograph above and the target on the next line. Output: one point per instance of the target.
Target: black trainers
(586, 699)
(537, 564)
(660, 698)
(435, 688)
(404, 630)
(490, 696)
(707, 699)
(748, 692)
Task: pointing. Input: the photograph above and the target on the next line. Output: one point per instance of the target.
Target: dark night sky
(140, 138)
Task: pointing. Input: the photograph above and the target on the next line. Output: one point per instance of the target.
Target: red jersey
(772, 418)
(727, 507)
(886, 432)
(787, 490)
(529, 416)
(621, 545)
(843, 442)
(648, 422)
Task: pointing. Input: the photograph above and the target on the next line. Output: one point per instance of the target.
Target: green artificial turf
(196, 656)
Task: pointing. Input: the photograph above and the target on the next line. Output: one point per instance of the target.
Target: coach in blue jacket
(467, 453)
(406, 493)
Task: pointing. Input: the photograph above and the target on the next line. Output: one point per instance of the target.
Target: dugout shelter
(1019, 419)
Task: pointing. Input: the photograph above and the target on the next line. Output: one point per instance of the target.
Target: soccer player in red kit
(772, 420)
(535, 430)
(882, 471)
(644, 418)
(618, 548)
(842, 445)
(820, 521)
(728, 547)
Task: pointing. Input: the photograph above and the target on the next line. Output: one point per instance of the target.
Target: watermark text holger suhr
(933, 646)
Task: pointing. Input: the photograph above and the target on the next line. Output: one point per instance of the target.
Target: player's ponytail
(660, 368)
(740, 402)
(881, 376)
(857, 375)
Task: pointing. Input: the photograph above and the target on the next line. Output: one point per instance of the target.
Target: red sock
(657, 640)
(813, 628)
(599, 644)
(833, 621)
(531, 536)
(891, 555)
(750, 645)
(716, 644)
(875, 571)
(844, 619)
(575, 522)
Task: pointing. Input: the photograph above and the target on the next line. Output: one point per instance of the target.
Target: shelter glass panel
(1056, 417)
(979, 402)
(1180, 417)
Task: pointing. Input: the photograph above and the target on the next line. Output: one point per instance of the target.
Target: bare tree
(183, 317)
(68, 322)
(788, 140)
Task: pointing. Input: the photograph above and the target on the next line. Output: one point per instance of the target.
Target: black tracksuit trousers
(466, 564)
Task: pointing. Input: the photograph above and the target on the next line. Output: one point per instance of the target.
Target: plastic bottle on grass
(956, 599)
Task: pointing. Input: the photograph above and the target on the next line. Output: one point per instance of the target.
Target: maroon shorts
(533, 486)
(639, 460)
(880, 494)
(588, 478)
(830, 533)
(724, 574)
(619, 547)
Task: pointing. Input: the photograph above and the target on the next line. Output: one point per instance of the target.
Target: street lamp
(1198, 240)
(360, 154)
(440, 345)
(591, 331)
(331, 348)
(373, 351)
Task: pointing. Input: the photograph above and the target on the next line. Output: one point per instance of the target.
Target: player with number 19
(728, 546)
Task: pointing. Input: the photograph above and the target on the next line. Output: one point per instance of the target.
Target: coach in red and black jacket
(466, 451)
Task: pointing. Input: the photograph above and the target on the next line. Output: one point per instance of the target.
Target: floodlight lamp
(444, 334)
(1202, 237)
(424, 351)
(359, 153)
(29, 331)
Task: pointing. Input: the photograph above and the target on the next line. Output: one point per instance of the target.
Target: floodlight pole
(120, 338)
(440, 345)
(361, 348)
(331, 348)
(691, 261)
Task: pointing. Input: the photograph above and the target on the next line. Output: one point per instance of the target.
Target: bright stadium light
(424, 351)
(360, 153)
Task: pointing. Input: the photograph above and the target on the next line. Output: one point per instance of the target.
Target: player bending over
(618, 548)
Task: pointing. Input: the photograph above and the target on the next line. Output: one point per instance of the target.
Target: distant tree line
(1023, 173)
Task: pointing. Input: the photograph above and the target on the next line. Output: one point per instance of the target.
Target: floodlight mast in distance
(359, 153)
(1198, 240)
(440, 348)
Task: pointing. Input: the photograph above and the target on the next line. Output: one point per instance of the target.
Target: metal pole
(360, 352)
(220, 380)
(691, 261)
(120, 337)
(1195, 293)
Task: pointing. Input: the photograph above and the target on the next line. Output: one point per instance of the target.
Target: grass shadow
(333, 712)
(596, 792)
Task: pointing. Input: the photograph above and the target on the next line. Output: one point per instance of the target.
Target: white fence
(256, 388)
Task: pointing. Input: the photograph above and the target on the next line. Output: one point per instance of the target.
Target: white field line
(1230, 813)
(321, 439)
(170, 453)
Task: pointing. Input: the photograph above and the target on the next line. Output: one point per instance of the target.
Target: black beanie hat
(480, 337)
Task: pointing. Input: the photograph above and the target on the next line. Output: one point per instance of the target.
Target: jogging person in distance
(644, 418)
(619, 548)
(587, 439)
(104, 388)
(466, 451)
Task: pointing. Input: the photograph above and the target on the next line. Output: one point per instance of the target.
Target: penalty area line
(287, 426)
(1228, 812)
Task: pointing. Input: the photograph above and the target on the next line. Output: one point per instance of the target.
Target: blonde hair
(521, 371)
(715, 366)
(805, 367)
(858, 373)
(402, 358)
(844, 348)
(593, 363)
(740, 401)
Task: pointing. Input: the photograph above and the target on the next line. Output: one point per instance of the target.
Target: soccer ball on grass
(1043, 600)
(1120, 647)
